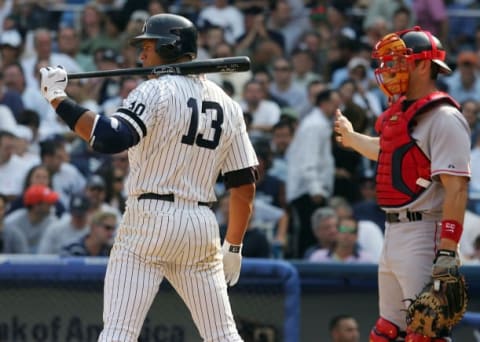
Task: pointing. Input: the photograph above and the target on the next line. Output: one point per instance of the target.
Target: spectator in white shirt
(222, 14)
(265, 113)
(43, 45)
(66, 179)
(14, 77)
(13, 169)
(311, 166)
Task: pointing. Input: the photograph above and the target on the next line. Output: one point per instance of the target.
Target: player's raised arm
(362, 143)
(98, 130)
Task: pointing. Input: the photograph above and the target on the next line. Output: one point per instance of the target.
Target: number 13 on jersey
(192, 136)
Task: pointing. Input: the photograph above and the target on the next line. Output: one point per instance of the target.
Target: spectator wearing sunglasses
(346, 249)
(98, 242)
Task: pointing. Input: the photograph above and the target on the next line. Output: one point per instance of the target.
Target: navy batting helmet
(176, 36)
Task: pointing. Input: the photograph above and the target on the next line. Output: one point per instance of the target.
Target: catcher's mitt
(438, 307)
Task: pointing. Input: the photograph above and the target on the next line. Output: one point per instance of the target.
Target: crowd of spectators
(315, 200)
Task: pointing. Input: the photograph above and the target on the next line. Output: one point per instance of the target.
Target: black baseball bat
(213, 65)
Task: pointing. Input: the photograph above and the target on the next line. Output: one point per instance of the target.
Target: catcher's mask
(396, 51)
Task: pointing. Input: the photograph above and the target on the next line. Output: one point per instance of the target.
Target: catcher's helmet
(176, 36)
(396, 50)
(425, 46)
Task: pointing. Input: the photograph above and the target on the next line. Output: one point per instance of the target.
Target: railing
(60, 299)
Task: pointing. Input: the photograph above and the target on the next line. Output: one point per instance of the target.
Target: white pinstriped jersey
(190, 132)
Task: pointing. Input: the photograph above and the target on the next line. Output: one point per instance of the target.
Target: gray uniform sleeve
(450, 143)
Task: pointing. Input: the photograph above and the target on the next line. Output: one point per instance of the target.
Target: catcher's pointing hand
(53, 81)
(343, 127)
(442, 303)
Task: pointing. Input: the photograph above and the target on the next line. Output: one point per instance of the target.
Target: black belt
(410, 217)
(167, 197)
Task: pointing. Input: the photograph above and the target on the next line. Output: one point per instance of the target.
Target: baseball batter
(181, 132)
(423, 152)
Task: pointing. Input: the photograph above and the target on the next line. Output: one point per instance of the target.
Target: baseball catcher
(421, 184)
(442, 302)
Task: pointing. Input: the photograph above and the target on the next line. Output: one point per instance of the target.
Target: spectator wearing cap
(66, 178)
(10, 46)
(37, 175)
(72, 226)
(357, 68)
(33, 220)
(96, 192)
(98, 241)
(13, 169)
(43, 50)
(12, 241)
(359, 72)
(464, 83)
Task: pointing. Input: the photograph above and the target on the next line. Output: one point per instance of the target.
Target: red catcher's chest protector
(403, 170)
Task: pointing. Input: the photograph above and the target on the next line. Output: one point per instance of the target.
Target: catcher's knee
(413, 337)
(385, 331)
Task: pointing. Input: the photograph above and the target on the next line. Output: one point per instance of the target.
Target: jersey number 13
(192, 137)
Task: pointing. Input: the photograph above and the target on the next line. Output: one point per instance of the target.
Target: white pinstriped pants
(179, 241)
